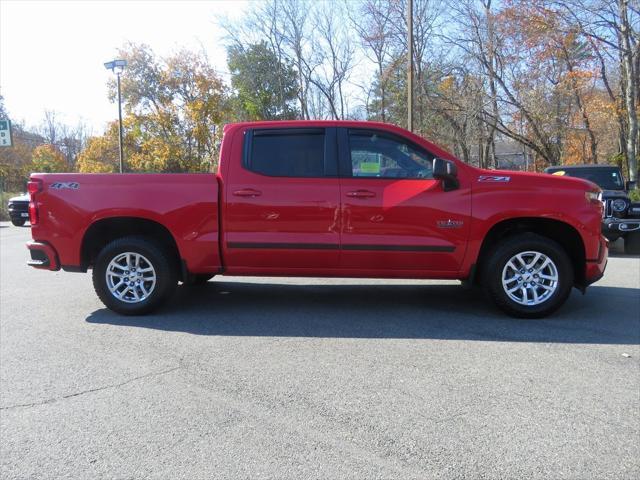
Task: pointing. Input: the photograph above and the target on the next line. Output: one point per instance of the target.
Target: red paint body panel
(186, 204)
(404, 213)
(244, 223)
(286, 211)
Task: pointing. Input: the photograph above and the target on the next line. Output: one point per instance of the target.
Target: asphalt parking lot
(315, 378)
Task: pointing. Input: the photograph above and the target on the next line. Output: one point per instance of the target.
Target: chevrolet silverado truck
(621, 217)
(325, 199)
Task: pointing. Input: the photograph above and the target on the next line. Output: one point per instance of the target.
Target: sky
(52, 52)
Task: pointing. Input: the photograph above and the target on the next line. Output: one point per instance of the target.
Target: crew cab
(322, 198)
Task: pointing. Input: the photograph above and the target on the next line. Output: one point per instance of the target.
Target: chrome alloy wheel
(130, 277)
(530, 278)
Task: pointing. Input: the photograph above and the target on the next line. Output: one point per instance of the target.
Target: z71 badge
(493, 178)
(69, 185)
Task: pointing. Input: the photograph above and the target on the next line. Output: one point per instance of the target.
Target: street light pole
(120, 125)
(410, 65)
(117, 67)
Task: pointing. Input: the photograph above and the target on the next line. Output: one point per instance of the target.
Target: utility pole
(120, 125)
(410, 65)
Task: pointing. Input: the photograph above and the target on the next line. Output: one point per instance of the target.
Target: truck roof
(432, 147)
(326, 123)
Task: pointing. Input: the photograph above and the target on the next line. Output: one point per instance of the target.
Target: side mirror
(630, 185)
(446, 171)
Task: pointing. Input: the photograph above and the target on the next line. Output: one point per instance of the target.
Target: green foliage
(266, 86)
(4, 199)
(101, 153)
(15, 161)
(48, 159)
(634, 195)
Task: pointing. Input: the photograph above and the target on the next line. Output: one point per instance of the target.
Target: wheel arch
(103, 231)
(566, 235)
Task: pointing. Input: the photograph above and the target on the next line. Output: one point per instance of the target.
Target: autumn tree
(48, 159)
(612, 30)
(557, 80)
(69, 139)
(100, 154)
(174, 108)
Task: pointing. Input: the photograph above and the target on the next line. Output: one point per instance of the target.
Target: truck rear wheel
(18, 222)
(134, 275)
(528, 276)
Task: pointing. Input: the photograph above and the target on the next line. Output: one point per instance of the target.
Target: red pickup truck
(322, 198)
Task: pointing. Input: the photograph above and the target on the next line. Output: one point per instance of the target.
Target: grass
(4, 199)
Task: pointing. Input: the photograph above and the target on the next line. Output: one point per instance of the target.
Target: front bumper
(18, 211)
(43, 256)
(620, 225)
(594, 269)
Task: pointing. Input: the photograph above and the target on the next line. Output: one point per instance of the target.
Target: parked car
(621, 217)
(311, 198)
(19, 209)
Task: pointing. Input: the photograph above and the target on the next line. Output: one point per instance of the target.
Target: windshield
(605, 178)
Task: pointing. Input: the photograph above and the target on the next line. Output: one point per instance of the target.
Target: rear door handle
(247, 192)
(361, 194)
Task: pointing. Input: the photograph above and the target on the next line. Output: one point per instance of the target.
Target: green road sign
(5, 133)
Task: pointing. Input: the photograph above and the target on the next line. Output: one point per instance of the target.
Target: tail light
(34, 186)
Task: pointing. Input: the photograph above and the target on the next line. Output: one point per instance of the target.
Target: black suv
(19, 210)
(621, 216)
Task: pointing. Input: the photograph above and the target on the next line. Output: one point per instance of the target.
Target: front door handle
(361, 194)
(247, 192)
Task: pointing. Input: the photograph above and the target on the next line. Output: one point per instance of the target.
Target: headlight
(593, 197)
(619, 205)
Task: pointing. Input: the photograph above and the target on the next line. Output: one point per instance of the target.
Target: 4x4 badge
(69, 185)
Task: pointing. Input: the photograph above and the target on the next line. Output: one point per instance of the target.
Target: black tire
(497, 261)
(18, 222)
(632, 243)
(162, 261)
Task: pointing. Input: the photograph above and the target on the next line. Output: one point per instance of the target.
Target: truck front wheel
(528, 276)
(134, 275)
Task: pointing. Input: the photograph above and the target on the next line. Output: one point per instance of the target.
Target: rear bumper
(43, 256)
(594, 269)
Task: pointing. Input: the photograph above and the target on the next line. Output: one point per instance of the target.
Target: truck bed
(185, 204)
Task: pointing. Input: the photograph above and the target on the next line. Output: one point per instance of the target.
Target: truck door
(282, 202)
(395, 216)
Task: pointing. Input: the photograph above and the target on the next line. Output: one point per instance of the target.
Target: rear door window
(286, 152)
